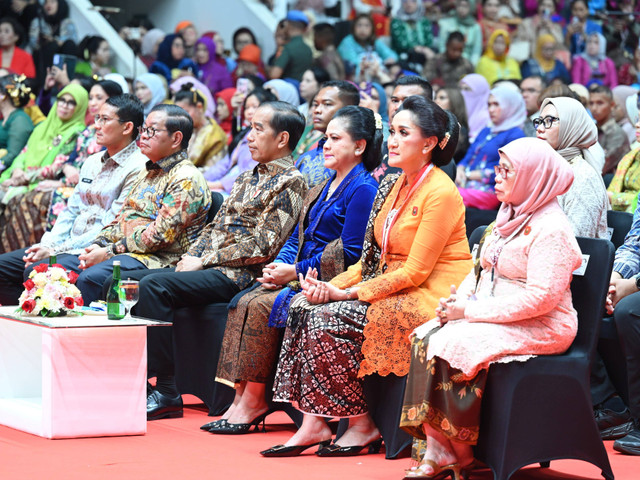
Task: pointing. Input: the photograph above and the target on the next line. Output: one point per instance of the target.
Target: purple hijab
(213, 74)
(476, 101)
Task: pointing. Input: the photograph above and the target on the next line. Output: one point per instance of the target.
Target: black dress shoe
(613, 425)
(335, 450)
(162, 406)
(293, 450)
(227, 428)
(630, 443)
(215, 423)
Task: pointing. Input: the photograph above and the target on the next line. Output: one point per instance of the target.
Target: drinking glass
(130, 295)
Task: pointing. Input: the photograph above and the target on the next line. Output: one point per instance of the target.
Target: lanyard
(498, 251)
(392, 216)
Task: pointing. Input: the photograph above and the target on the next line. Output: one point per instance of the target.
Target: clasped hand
(276, 275)
(451, 308)
(93, 255)
(318, 292)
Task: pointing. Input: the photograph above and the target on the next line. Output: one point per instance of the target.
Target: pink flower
(58, 208)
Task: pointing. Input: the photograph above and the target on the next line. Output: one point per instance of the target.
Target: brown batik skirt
(23, 220)
(320, 358)
(441, 396)
(250, 347)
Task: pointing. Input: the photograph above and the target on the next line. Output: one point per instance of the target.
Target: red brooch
(527, 230)
(415, 211)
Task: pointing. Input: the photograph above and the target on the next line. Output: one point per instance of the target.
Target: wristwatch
(637, 279)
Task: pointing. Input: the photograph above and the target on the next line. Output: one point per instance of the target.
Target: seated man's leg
(160, 294)
(90, 280)
(132, 275)
(627, 318)
(11, 276)
(612, 415)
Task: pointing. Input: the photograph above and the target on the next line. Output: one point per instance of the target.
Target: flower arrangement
(50, 291)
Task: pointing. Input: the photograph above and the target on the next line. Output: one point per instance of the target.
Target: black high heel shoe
(227, 428)
(293, 450)
(215, 423)
(335, 450)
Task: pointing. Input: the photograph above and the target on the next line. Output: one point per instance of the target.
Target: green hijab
(50, 136)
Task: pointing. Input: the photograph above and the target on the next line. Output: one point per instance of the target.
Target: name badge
(87, 180)
(415, 211)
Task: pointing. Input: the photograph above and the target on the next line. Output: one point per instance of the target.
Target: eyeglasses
(547, 121)
(68, 103)
(98, 120)
(150, 131)
(502, 171)
(530, 90)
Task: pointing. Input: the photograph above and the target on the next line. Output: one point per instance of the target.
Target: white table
(73, 376)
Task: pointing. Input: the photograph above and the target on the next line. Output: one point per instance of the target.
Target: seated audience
(629, 71)
(449, 66)
(490, 21)
(614, 419)
(544, 63)
(208, 142)
(333, 95)
(610, 136)
(27, 217)
(164, 213)
(566, 126)
(593, 64)
(94, 203)
(149, 46)
(296, 56)
(496, 64)
(625, 185)
(545, 21)
(329, 59)
(209, 103)
(360, 321)
(361, 45)
(476, 176)
(450, 98)
(249, 63)
(463, 21)
(16, 126)
(475, 91)
(531, 88)
(150, 90)
(226, 259)
(525, 310)
(222, 175)
(189, 34)
(56, 135)
(12, 57)
(580, 26)
(412, 33)
(96, 56)
(309, 86)
(327, 239)
(620, 95)
(223, 111)
(284, 91)
(171, 61)
(213, 69)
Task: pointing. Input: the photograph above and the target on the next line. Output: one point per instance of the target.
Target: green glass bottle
(115, 308)
(53, 259)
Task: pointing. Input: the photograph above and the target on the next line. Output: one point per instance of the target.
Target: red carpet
(178, 449)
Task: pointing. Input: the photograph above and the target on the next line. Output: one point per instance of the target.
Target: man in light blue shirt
(105, 180)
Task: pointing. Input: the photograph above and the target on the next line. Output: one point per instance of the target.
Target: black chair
(540, 410)
(474, 218)
(619, 225)
(216, 202)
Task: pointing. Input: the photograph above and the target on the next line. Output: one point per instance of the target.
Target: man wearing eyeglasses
(164, 212)
(531, 88)
(105, 180)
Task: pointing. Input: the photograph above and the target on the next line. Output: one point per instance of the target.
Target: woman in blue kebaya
(328, 239)
(475, 177)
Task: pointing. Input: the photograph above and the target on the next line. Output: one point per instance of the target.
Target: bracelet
(347, 291)
(110, 251)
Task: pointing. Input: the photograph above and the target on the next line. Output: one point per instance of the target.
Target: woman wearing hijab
(566, 126)
(544, 62)
(496, 64)
(213, 73)
(223, 111)
(412, 32)
(150, 90)
(476, 177)
(283, 90)
(625, 186)
(620, 114)
(171, 61)
(149, 46)
(209, 103)
(462, 21)
(593, 63)
(519, 306)
(475, 91)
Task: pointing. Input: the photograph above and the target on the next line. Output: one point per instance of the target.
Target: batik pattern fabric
(311, 165)
(163, 214)
(320, 358)
(254, 222)
(625, 185)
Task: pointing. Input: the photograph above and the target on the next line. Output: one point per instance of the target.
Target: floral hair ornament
(18, 89)
(378, 119)
(444, 141)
